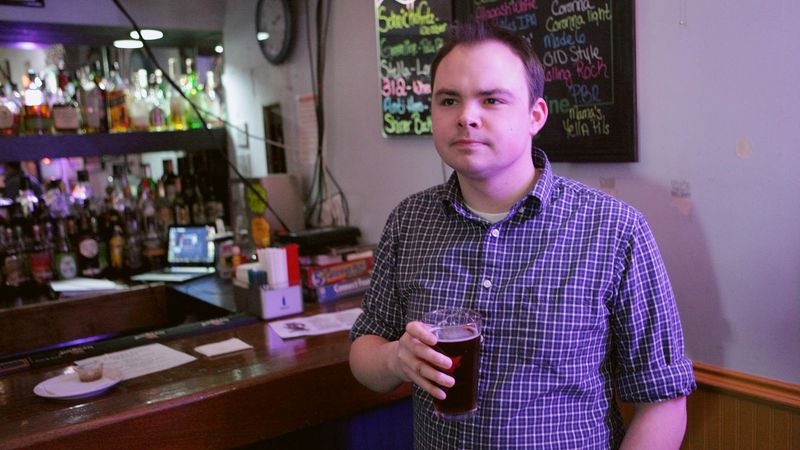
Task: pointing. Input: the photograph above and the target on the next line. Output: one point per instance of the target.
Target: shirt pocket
(563, 320)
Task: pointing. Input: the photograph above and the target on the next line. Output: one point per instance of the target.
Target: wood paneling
(737, 411)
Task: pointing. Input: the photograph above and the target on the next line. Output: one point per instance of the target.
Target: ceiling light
(262, 36)
(148, 34)
(128, 43)
(218, 49)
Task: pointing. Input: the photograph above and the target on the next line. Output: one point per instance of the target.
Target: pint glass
(458, 332)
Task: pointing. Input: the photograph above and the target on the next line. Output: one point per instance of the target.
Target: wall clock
(274, 29)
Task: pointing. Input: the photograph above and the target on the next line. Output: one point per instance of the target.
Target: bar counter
(227, 401)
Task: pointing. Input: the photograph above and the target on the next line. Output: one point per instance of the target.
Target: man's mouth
(467, 142)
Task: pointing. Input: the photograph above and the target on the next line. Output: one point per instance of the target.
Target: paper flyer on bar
(316, 325)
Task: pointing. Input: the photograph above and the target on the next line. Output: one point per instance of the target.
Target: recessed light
(128, 43)
(148, 34)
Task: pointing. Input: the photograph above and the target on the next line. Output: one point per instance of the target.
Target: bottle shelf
(19, 148)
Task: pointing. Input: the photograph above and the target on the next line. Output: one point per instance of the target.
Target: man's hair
(475, 32)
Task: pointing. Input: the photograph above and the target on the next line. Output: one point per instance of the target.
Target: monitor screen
(190, 245)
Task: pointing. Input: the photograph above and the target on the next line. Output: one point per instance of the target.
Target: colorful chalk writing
(586, 48)
(409, 34)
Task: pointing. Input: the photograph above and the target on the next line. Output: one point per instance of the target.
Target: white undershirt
(491, 217)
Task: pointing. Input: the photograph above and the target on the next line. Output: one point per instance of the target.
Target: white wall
(732, 247)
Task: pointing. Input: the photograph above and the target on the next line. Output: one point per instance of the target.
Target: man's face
(482, 120)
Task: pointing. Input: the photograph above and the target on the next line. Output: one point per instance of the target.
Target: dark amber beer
(458, 333)
(462, 343)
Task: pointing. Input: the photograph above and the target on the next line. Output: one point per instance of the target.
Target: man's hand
(382, 365)
(416, 361)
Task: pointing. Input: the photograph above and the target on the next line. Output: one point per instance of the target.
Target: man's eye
(493, 101)
(447, 102)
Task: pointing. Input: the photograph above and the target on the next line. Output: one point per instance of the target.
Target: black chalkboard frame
(406, 111)
(621, 144)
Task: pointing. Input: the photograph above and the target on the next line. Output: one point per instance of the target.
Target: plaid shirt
(576, 307)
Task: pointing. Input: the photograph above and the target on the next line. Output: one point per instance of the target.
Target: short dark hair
(475, 32)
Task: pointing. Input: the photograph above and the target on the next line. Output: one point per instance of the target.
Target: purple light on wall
(27, 45)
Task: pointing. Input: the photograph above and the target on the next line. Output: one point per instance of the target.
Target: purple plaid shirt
(576, 307)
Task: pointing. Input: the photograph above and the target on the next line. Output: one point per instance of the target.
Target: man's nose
(469, 116)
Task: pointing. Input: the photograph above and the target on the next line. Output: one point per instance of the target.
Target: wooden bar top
(227, 401)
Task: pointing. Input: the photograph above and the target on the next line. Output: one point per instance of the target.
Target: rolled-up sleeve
(383, 312)
(649, 345)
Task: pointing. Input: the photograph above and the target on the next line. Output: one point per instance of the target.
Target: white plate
(69, 387)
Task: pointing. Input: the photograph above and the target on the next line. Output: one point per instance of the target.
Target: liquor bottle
(87, 245)
(2, 257)
(15, 261)
(118, 116)
(66, 263)
(56, 199)
(169, 177)
(197, 202)
(177, 111)
(115, 202)
(212, 208)
(163, 209)
(195, 95)
(40, 258)
(92, 99)
(158, 103)
(102, 246)
(214, 113)
(133, 247)
(152, 245)
(27, 200)
(37, 118)
(138, 104)
(180, 208)
(66, 111)
(116, 251)
(10, 113)
(191, 196)
(146, 182)
(81, 195)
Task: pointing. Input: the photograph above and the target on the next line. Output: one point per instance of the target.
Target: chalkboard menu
(586, 47)
(409, 34)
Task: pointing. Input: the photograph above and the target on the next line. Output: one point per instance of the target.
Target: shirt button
(495, 232)
(487, 284)
(522, 209)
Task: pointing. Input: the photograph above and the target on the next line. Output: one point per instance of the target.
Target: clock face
(273, 29)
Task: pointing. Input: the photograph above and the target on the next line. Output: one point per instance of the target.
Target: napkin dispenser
(268, 303)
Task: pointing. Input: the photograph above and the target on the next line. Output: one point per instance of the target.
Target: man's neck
(497, 195)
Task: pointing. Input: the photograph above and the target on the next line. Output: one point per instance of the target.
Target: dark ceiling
(101, 36)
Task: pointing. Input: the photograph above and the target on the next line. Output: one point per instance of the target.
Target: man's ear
(538, 115)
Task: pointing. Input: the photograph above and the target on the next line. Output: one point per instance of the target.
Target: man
(576, 304)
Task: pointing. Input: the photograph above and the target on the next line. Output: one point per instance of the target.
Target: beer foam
(456, 333)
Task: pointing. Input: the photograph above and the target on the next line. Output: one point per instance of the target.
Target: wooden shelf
(61, 146)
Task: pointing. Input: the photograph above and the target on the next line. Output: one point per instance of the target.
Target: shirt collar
(537, 199)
